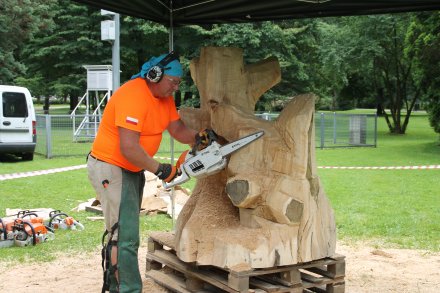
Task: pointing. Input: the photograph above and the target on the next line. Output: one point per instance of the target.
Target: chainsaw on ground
(208, 161)
(60, 220)
(29, 228)
(26, 229)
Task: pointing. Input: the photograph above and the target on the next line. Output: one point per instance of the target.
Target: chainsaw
(59, 220)
(27, 229)
(210, 160)
(24, 232)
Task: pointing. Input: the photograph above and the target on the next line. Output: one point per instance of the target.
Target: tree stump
(267, 208)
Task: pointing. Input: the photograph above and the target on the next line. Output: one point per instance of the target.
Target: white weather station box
(108, 30)
(107, 27)
(99, 77)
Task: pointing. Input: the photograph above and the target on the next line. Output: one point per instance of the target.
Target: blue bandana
(173, 68)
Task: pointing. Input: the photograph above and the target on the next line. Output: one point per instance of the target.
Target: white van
(18, 133)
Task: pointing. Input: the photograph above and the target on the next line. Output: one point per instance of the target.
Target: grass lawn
(392, 208)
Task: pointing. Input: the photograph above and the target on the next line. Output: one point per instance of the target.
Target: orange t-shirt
(134, 107)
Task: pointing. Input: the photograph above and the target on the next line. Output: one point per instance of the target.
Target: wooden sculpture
(267, 208)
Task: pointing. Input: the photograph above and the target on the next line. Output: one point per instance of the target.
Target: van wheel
(28, 156)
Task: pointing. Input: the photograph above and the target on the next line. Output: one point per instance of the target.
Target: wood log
(267, 208)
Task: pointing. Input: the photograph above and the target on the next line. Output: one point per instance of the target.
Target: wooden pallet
(163, 266)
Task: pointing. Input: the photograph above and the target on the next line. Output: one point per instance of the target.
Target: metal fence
(55, 138)
(341, 130)
(55, 134)
(345, 130)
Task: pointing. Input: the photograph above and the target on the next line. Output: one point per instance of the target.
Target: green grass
(10, 164)
(398, 208)
(56, 109)
(61, 191)
(419, 146)
(387, 208)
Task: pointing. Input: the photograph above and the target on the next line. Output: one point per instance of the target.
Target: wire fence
(55, 138)
(341, 130)
(345, 130)
(55, 134)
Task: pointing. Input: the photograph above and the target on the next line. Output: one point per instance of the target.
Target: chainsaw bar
(234, 146)
(210, 160)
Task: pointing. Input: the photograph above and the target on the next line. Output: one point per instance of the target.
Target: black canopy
(221, 11)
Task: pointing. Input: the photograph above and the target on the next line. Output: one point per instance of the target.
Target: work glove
(203, 139)
(167, 172)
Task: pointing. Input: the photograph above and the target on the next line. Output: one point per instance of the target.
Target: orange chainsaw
(23, 232)
(59, 220)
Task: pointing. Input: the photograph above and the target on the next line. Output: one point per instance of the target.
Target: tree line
(389, 62)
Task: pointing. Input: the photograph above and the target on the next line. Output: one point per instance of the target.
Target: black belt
(96, 158)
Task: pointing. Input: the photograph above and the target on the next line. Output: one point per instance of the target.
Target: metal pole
(173, 194)
(48, 136)
(171, 48)
(334, 128)
(171, 33)
(322, 130)
(115, 55)
(375, 130)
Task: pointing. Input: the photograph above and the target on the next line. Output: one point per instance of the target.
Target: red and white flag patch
(131, 120)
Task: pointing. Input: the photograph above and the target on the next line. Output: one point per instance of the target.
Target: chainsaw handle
(54, 212)
(29, 214)
(181, 159)
(182, 178)
(34, 235)
(3, 227)
(19, 225)
(50, 229)
(54, 217)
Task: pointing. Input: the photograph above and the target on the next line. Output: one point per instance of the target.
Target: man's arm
(181, 133)
(133, 152)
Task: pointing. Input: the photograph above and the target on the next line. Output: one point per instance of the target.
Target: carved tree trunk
(267, 208)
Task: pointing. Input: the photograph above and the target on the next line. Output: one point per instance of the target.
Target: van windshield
(14, 105)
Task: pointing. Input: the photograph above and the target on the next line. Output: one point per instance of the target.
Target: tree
(57, 56)
(424, 32)
(343, 70)
(393, 66)
(140, 40)
(284, 40)
(345, 61)
(19, 21)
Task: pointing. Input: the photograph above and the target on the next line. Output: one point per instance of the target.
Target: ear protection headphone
(155, 73)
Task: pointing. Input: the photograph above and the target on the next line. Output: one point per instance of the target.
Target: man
(128, 137)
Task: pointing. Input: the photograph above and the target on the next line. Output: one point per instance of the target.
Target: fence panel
(55, 134)
(55, 138)
(341, 130)
(345, 130)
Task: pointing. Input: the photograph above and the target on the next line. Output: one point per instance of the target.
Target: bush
(433, 110)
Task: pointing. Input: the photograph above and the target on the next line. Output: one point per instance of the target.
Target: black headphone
(155, 73)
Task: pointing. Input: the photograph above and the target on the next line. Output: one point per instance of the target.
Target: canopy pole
(171, 30)
(173, 193)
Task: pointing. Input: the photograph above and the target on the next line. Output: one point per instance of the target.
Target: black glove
(203, 139)
(167, 172)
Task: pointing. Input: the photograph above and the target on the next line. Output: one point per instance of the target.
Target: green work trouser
(120, 192)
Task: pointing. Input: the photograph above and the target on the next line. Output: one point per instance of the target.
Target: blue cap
(173, 68)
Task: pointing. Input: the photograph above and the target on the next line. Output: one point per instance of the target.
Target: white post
(115, 55)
